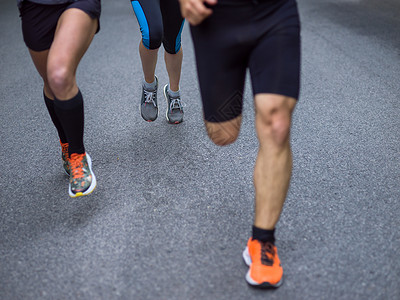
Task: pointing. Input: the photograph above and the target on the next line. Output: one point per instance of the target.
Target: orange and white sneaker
(82, 180)
(265, 267)
(65, 157)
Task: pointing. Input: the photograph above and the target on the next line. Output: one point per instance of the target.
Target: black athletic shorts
(39, 21)
(160, 21)
(263, 36)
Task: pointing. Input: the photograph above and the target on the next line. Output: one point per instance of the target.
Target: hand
(195, 11)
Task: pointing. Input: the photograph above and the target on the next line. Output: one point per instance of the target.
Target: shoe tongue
(175, 103)
(267, 254)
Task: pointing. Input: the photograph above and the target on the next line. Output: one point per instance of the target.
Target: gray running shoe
(148, 103)
(174, 112)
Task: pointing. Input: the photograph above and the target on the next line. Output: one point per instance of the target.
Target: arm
(195, 11)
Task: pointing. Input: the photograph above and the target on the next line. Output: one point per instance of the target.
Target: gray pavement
(172, 212)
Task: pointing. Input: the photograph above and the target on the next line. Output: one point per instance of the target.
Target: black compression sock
(50, 107)
(70, 114)
(263, 235)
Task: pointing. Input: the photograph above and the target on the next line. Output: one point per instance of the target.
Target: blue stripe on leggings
(178, 38)
(144, 26)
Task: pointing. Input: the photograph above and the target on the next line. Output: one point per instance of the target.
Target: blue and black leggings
(160, 21)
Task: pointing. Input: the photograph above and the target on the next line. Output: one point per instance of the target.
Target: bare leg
(224, 133)
(40, 61)
(173, 62)
(149, 62)
(74, 33)
(274, 161)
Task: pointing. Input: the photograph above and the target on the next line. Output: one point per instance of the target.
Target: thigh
(222, 52)
(148, 14)
(40, 61)
(39, 23)
(90, 7)
(173, 25)
(74, 33)
(275, 60)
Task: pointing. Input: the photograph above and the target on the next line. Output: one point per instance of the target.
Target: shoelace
(149, 97)
(76, 165)
(267, 253)
(64, 149)
(175, 104)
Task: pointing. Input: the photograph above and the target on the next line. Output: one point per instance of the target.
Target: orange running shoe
(265, 267)
(82, 180)
(65, 157)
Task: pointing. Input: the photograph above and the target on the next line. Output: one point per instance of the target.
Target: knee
(153, 39)
(275, 129)
(156, 40)
(273, 124)
(222, 138)
(150, 28)
(59, 78)
(224, 133)
(280, 131)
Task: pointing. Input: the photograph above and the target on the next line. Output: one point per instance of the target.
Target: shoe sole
(166, 112)
(250, 281)
(92, 185)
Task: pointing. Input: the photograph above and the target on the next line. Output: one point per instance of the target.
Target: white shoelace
(149, 97)
(175, 104)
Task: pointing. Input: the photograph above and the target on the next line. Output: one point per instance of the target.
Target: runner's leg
(173, 25)
(148, 58)
(173, 63)
(39, 59)
(74, 33)
(274, 160)
(149, 17)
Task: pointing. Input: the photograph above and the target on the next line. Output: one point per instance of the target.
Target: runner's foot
(265, 267)
(82, 180)
(148, 103)
(174, 112)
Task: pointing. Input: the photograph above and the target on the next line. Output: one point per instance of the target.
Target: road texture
(172, 212)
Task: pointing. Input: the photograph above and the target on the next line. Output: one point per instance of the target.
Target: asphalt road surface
(172, 212)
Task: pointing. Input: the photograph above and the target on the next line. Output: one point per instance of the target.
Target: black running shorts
(39, 21)
(263, 36)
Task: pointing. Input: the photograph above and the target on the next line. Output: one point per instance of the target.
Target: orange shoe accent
(76, 165)
(65, 157)
(64, 149)
(265, 269)
(82, 180)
